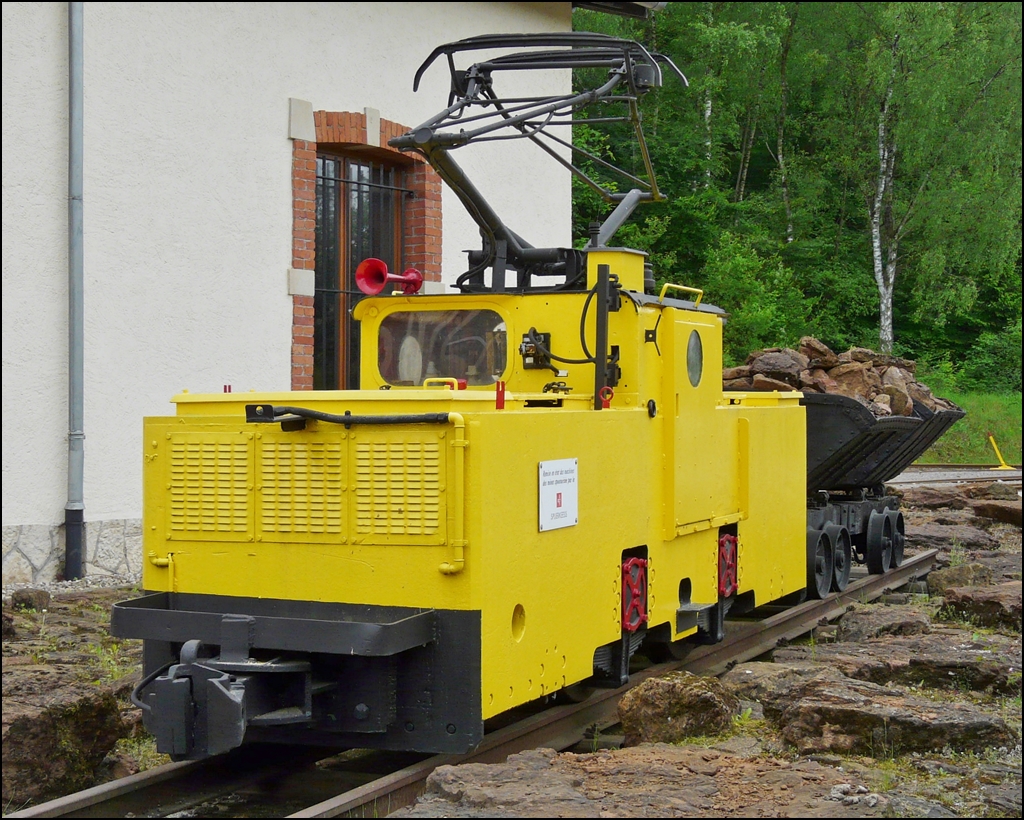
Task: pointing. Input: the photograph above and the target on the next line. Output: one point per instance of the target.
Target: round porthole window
(694, 358)
(518, 623)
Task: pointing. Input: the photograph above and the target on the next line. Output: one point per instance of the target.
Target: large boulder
(818, 710)
(899, 400)
(997, 606)
(817, 352)
(676, 706)
(738, 384)
(922, 394)
(784, 366)
(765, 383)
(858, 717)
(932, 498)
(999, 491)
(730, 373)
(823, 382)
(34, 600)
(54, 743)
(950, 536)
(856, 380)
(973, 574)
(873, 621)
(908, 366)
(773, 682)
(1005, 566)
(943, 659)
(491, 790)
(1009, 512)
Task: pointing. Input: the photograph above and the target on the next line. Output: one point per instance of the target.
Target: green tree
(872, 152)
(919, 110)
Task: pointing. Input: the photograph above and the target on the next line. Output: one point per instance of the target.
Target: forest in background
(850, 171)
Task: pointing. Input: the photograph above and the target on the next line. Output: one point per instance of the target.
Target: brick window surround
(346, 130)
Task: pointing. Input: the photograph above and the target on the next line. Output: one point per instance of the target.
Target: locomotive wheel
(879, 544)
(576, 693)
(898, 537)
(666, 651)
(842, 556)
(819, 563)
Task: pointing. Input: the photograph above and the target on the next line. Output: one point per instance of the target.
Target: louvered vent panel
(209, 488)
(303, 488)
(399, 494)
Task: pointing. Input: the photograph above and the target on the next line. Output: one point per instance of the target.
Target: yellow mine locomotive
(539, 473)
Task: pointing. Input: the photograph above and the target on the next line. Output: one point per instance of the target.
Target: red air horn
(372, 275)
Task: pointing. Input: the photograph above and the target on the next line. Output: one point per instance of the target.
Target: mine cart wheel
(879, 544)
(819, 563)
(899, 532)
(842, 556)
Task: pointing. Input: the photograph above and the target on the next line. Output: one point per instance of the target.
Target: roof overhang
(641, 10)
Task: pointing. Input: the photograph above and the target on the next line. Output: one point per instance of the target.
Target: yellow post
(1002, 464)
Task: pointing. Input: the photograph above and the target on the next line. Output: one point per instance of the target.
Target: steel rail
(954, 473)
(63, 806)
(950, 466)
(558, 727)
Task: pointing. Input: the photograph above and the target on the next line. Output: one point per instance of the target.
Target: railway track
(926, 474)
(276, 781)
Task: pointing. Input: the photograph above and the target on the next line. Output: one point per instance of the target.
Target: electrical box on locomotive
(540, 473)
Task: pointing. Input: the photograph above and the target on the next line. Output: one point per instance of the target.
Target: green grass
(966, 442)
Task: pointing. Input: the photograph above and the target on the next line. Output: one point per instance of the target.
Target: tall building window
(352, 197)
(360, 213)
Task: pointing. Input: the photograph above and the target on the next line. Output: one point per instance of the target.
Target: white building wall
(188, 213)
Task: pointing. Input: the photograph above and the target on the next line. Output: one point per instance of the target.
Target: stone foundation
(34, 553)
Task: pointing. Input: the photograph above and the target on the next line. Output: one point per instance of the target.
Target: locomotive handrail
(458, 541)
(668, 285)
(445, 381)
(269, 414)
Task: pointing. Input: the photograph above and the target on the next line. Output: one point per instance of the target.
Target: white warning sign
(559, 498)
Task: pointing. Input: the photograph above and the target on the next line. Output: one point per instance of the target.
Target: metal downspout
(74, 510)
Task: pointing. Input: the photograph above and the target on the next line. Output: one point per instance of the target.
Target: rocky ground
(906, 707)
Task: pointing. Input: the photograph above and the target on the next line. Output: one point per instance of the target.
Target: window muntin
(460, 344)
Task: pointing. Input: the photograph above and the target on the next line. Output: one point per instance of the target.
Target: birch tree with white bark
(923, 82)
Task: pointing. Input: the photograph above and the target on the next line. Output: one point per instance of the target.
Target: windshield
(459, 344)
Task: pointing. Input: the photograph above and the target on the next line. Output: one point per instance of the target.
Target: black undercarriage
(220, 671)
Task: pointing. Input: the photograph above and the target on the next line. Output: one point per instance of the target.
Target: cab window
(460, 344)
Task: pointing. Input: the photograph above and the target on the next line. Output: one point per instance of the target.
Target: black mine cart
(850, 456)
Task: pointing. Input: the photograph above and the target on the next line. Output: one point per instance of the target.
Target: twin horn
(372, 276)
